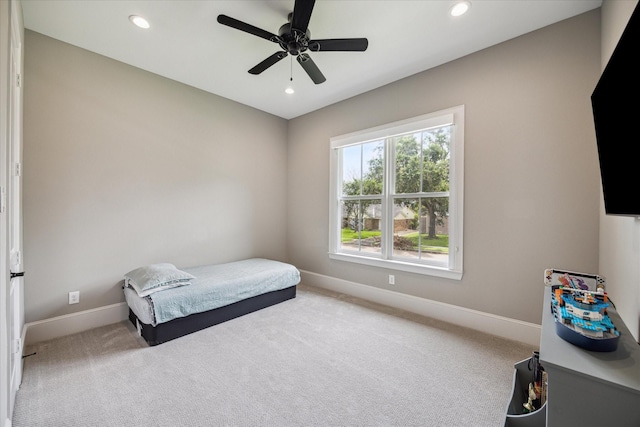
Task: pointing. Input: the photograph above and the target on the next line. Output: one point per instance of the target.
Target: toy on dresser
(579, 306)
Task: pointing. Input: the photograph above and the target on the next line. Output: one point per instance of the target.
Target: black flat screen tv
(616, 113)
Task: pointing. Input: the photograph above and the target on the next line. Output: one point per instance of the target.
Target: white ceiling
(187, 44)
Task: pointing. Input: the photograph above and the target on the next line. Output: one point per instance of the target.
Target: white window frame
(453, 116)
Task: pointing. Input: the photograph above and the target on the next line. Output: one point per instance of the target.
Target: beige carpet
(321, 359)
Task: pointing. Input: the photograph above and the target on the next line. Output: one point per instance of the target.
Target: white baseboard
(67, 324)
(504, 327)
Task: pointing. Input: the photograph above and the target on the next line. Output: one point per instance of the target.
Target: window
(397, 195)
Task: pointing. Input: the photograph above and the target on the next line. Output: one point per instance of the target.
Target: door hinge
(12, 274)
(18, 80)
(18, 169)
(3, 199)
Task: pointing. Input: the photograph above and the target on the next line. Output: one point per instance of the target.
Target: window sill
(428, 270)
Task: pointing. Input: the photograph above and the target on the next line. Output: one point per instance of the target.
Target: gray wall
(531, 173)
(123, 168)
(620, 236)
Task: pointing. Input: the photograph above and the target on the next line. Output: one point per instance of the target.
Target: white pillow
(156, 277)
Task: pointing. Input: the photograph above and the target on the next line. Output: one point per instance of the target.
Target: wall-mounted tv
(616, 113)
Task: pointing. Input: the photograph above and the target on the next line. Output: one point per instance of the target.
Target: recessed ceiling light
(139, 21)
(460, 8)
(289, 91)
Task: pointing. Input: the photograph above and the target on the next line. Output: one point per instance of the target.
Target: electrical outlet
(392, 279)
(74, 297)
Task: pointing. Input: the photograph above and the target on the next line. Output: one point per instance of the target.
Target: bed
(166, 302)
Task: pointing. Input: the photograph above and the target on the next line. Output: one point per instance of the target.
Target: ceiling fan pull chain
(291, 67)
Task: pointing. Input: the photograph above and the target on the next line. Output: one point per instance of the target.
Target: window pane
(407, 163)
(434, 224)
(426, 237)
(372, 167)
(361, 226)
(351, 170)
(363, 168)
(435, 159)
(405, 228)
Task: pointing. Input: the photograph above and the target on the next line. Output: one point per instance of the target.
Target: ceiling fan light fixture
(460, 8)
(289, 91)
(139, 21)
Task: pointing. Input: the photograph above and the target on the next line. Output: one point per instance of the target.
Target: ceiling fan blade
(339, 45)
(311, 68)
(247, 28)
(302, 14)
(268, 62)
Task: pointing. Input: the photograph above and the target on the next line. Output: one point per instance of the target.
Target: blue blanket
(223, 284)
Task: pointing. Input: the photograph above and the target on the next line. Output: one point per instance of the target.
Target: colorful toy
(581, 318)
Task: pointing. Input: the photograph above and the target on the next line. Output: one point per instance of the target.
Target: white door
(11, 289)
(14, 205)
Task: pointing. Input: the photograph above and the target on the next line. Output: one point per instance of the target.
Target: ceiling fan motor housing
(293, 40)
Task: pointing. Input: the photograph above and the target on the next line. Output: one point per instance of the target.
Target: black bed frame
(179, 327)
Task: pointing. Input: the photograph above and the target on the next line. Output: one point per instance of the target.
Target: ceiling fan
(294, 39)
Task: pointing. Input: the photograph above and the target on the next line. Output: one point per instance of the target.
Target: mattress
(214, 286)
